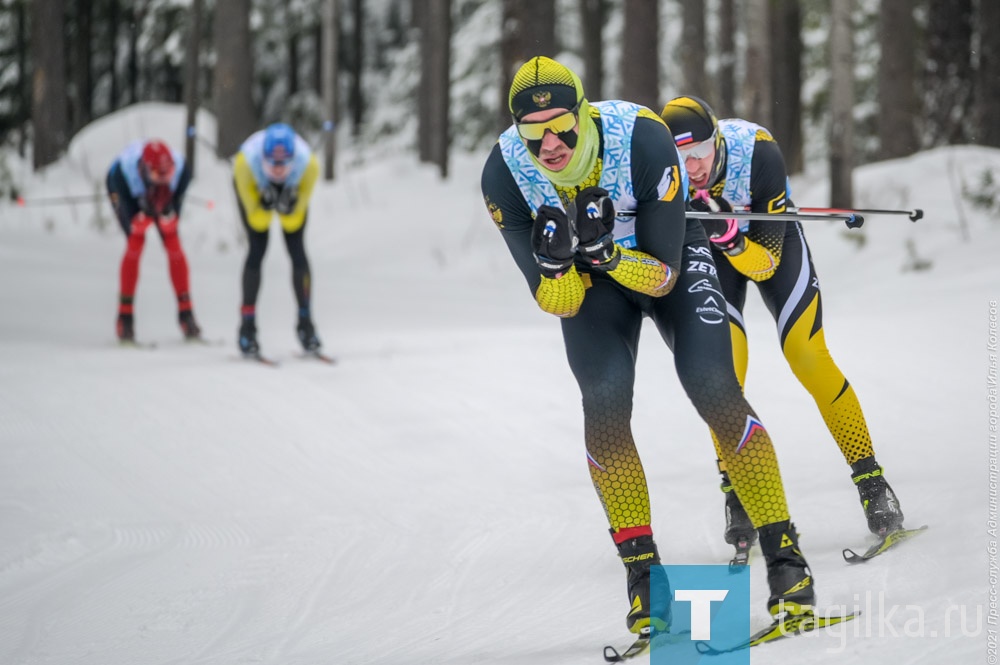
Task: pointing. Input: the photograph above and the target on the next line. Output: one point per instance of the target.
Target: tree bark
(757, 82)
(726, 107)
(841, 103)
(357, 68)
(50, 106)
(640, 73)
(988, 81)
(192, 97)
(133, 54)
(436, 55)
(23, 85)
(232, 93)
(592, 17)
(114, 18)
(786, 81)
(292, 44)
(82, 101)
(330, 97)
(897, 93)
(694, 50)
(948, 75)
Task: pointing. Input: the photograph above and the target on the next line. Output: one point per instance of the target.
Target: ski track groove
(124, 553)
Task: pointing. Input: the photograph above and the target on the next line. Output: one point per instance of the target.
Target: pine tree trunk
(330, 97)
(897, 96)
(357, 68)
(841, 104)
(757, 82)
(436, 85)
(80, 66)
(592, 17)
(694, 50)
(988, 82)
(640, 53)
(192, 96)
(232, 94)
(726, 107)
(786, 81)
(50, 106)
(23, 86)
(114, 19)
(133, 55)
(421, 18)
(948, 75)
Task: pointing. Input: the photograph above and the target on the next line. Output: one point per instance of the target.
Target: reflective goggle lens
(700, 151)
(534, 131)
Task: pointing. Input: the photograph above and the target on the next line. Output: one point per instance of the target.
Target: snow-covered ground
(427, 499)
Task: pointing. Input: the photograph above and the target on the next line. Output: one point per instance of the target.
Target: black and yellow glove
(553, 241)
(593, 214)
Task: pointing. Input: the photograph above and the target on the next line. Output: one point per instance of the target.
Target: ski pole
(84, 198)
(58, 200)
(914, 214)
(850, 218)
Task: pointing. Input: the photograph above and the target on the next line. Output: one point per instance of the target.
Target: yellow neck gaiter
(584, 155)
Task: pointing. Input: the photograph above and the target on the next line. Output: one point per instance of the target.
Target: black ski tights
(295, 242)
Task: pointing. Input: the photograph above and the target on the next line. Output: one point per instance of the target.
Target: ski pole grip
(916, 214)
(854, 221)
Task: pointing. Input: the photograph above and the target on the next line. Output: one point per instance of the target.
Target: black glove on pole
(594, 215)
(553, 241)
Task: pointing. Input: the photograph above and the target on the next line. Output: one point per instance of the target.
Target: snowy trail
(211, 511)
(426, 500)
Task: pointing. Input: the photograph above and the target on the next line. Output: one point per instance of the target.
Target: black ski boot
(642, 566)
(788, 574)
(307, 335)
(739, 528)
(248, 337)
(188, 325)
(877, 498)
(125, 328)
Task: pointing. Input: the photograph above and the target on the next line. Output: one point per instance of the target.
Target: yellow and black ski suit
(777, 259)
(666, 273)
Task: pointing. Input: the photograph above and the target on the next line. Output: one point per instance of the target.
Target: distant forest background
(845, 82)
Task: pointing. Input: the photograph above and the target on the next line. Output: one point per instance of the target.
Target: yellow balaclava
(540, 84)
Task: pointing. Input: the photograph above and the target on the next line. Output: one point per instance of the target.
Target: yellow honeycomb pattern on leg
(811, 362)
(756, 478)
(614, 462)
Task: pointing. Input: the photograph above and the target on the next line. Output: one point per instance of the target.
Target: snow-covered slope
(427, 499)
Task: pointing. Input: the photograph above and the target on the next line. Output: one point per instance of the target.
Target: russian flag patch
(683, 139)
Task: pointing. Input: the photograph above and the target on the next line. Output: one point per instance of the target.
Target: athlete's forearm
(643, 273)
(561, 296)
(755, 261)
